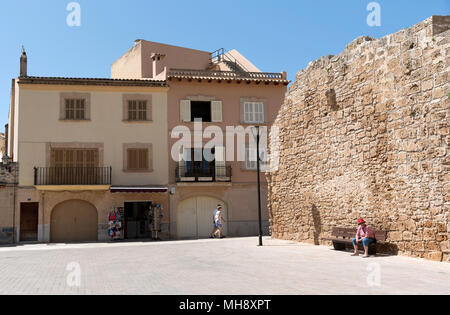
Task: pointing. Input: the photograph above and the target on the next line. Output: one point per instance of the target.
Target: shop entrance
(137, 220)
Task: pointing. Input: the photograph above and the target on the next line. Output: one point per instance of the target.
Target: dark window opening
(137, 220)
(201, 110)
(202, 163)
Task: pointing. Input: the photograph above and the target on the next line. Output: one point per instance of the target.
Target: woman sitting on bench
(364, 235)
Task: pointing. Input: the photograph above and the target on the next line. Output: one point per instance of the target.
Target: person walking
(218, 223)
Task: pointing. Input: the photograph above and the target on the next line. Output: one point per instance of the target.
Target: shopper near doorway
(218, 223)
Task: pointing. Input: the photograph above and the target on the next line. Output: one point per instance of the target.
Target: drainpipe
(14, 205)
(43, 215)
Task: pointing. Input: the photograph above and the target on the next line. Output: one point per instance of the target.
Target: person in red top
(364, 235)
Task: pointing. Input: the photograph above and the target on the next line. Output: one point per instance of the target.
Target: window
(137, 159)
(254, 112)
(74, 158)
(137, 110)
(73, 167)
(206, 110)
(75, 109)
(75, 106)
(201, 110)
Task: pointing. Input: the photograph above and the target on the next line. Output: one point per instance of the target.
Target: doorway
(74, 221)
(137, 220)
(195, 217)
(29, 212)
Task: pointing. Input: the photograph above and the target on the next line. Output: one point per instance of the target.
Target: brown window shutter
(142, 110)
(69, 158)
(96, 158)
(129, 159)
(56, 158)
(149, 112)
(132, 159)
(143, 159)
(150, 158)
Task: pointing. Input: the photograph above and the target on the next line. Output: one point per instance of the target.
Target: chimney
(157, 58)
(23, 63)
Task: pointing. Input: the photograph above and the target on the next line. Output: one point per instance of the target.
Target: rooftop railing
(226, 74)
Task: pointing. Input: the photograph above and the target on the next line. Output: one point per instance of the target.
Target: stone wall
(8, 177)
(366, 134)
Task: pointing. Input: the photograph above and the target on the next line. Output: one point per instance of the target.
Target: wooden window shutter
(131, 159)
(185, 110)
(138, 159)
(150, 158)
(57, 158)
(142, 110)
(149, 111)
(131, 110)
(216, 110)
(143, 159)
(242, 112)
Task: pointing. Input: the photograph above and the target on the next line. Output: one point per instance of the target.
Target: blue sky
(274, 35)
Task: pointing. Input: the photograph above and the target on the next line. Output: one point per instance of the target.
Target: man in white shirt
(218, 225)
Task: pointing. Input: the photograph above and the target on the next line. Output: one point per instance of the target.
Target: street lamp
(256, 134)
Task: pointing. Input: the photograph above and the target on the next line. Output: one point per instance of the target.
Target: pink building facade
(224, 90)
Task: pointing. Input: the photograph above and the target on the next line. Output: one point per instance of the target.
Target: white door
(195, 217)
(187, 219)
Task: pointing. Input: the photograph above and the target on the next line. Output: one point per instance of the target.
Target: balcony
(72, 176)
(201, 175)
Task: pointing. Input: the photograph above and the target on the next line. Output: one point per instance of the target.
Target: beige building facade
(87, 148)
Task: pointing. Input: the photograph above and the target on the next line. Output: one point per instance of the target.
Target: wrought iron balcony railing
(200, 174)
(52, 176)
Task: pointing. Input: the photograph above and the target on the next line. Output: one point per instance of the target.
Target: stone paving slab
(228, 266)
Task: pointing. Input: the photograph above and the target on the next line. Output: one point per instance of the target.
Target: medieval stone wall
(366, 134)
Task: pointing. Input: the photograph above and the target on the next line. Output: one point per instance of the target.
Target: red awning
(138, 189)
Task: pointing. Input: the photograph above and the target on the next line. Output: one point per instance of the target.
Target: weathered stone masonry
(8, 182)
(366, 134)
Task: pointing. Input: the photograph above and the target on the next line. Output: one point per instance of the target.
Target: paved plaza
(228, 266)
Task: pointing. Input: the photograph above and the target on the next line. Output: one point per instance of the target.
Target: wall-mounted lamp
(6, 162)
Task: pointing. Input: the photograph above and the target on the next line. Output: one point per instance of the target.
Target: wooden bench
(343, 237)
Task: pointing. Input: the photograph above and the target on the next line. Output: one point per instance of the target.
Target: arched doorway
(74, 221)
(195, 217)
